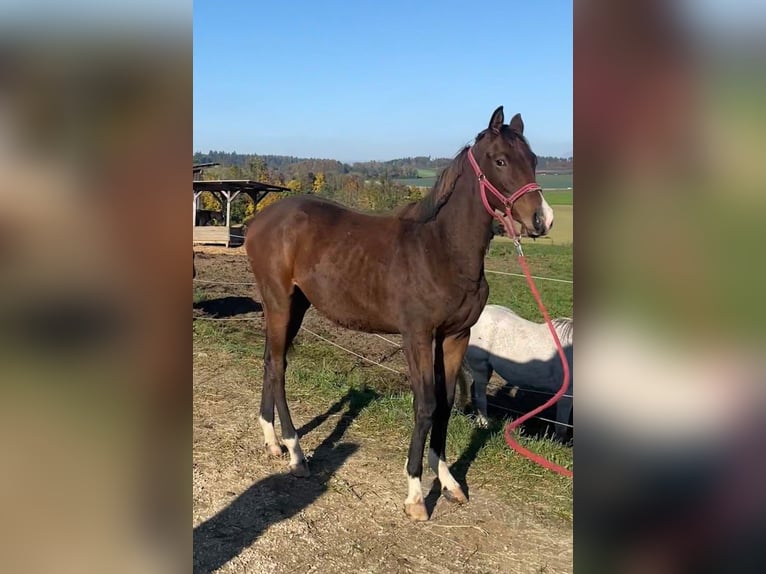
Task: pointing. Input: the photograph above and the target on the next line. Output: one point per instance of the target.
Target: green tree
(258, 170)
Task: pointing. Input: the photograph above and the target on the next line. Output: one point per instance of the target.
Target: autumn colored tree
(208, 201)
(295, 185)
(319, 185)
(268, 200)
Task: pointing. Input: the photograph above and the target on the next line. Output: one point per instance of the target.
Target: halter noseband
(507, 202)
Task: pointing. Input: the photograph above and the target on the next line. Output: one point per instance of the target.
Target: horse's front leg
(420, 360)
(449, 358)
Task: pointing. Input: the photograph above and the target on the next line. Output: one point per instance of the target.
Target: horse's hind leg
(282, 324)
(266, 419)
(482, 372)
(563, 412)
(451, 355)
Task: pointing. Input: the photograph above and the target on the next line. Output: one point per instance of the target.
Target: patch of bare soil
(251, 516)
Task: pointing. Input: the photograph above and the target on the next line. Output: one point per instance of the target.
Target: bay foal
(418, 272)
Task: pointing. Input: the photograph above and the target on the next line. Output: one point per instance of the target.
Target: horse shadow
(277, 497)
(229, 306)
(505, 402)
(460, 467)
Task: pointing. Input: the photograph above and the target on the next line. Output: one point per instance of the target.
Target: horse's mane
(565, 329)
(427, 208)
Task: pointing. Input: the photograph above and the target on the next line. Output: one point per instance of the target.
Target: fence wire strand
(375, 363)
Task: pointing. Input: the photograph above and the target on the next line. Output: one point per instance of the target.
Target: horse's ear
(517, 124)
(496, 122)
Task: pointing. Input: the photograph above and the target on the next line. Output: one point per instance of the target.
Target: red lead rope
(507, 222)
(550, 402)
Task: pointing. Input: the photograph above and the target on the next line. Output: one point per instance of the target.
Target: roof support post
(196, 207)
(227, 195)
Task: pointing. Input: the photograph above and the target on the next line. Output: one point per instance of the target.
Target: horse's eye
(500, 162)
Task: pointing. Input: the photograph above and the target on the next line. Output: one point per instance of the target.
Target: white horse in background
(521, 352)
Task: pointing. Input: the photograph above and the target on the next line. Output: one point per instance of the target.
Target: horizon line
(432, 157)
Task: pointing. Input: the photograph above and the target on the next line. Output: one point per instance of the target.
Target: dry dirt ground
(250, 516)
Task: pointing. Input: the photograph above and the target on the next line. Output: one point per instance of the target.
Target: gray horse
(521, 352)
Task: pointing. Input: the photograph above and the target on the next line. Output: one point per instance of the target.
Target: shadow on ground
(229, 306)
(279, 496)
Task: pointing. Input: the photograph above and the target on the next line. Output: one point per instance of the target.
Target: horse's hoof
(300, 469)
(416, 511)
(455, 495)
(274, 449)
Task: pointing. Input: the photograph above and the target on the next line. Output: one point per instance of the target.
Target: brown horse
(419, 272)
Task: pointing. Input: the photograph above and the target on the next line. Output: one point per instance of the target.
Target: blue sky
(363, 80)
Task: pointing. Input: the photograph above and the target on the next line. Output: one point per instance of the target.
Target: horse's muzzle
(538, 222)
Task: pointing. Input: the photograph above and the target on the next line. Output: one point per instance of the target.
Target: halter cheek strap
(506, 201)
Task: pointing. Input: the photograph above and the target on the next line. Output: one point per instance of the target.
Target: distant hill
(290, 167)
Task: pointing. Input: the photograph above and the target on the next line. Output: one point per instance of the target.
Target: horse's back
(343, 261)
(496, 325)
(295, 220)
(514, 347)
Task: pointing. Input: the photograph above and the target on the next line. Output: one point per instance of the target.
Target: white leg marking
(547, 213)
(294, 448)
(269, 434)
(414, 491)
(439, 466)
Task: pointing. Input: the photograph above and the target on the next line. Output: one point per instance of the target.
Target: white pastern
(269, 434)
(439, 466)
(414, 491)
(481, 421)
(294, 448)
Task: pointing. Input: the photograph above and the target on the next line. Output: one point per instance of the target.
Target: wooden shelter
(225, 191)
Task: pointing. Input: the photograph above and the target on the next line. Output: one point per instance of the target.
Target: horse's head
(507, 161)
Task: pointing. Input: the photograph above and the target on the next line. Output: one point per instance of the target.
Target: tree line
(352, 189)
(369, 186)
(290, 167)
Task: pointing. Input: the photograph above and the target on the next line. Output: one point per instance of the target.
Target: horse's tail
(565, 330)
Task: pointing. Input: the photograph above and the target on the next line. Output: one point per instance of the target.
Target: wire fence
(506, 273)
(379, 364)
(351, 352)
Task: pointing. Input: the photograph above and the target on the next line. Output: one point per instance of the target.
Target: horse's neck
(463, 225)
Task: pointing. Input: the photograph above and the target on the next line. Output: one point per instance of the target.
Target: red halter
(507, 202)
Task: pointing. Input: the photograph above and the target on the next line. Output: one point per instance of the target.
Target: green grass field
(555, 181)
(320, 374)
(562, 232)
(417, 182)
(545, 260)
(547, 181)
(559, 197)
